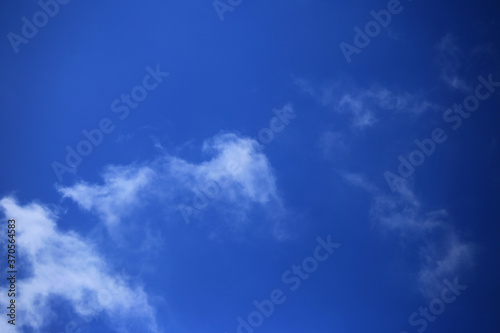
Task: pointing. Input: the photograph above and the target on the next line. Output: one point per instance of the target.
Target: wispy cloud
(64, 266)
(448, 60)
(442, 251)
(117, 196)
(236, 166)
(364, 106)
(368, 105)
(448, 256)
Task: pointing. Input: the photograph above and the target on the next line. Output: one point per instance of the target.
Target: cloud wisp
(441, 250)
(364, 107)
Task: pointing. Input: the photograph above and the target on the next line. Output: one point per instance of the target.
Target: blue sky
(251, 166)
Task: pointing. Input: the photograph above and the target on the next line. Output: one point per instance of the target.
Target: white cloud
(63, 265)
(236, 171)
(443, 253)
